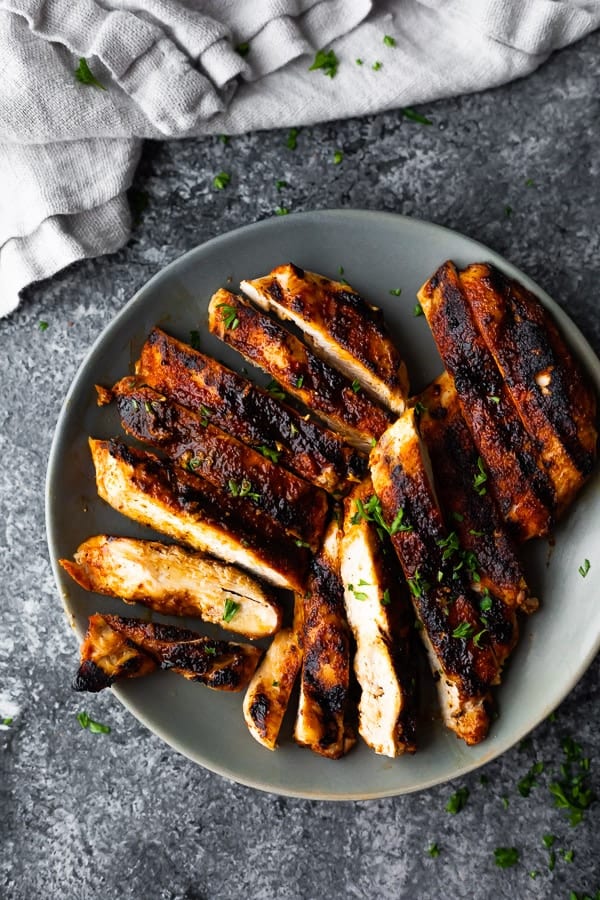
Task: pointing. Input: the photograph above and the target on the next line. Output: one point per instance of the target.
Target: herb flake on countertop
(505, 857)
(90, 724)
(338, 157)
(292, 138)
(221, 180)
(281, 211)
(457, 801)
(418, 310)
(43, 325)
(389, 41)
(395, 292)
(84, 74)
(508, 211)
(243, 49)
(327, 61)
(410, 113)
(585, 568)
(433, 850)
(377, 66)
(528, 781)
(572, 790)
(280, 184)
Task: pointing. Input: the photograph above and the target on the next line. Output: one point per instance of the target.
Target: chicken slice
(339, 326)
(553, 397)
(175, 582)
(341, 404)
(269, 691)
(221, 665)
(455, 621)
(381, 618)
(492, 555)
(298, 507)
(107, 656)
(249, 413)
(164, 496)
(510, 458)
(321, 721)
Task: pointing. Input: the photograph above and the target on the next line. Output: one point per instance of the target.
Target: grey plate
(379, 252)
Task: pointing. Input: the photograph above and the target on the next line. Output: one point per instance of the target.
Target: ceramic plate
(379, 253)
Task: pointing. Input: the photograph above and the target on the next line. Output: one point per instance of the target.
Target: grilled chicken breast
(206, 450)
(339, 326)
(220, 665)
(553, 397)
(475, 517)
(164, 496)
(455, 621)
(510, 457)
(321, 721)
(249, 413)
(175, 582)
(381, 618)
(330, 395)
(107, 655)
(268, 694)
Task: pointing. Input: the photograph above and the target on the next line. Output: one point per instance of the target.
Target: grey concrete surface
(122, 815)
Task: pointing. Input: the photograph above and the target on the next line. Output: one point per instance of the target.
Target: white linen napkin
(170, 69)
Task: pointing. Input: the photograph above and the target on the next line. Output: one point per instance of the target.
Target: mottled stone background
(123, 816)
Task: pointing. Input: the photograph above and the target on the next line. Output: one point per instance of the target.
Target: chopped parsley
(551, 861)
(243, 489)
(476, 533)
(356, 385)
(224, 138)
(301, 544)
(480, 478)
(419, 408)
(457, 801)
(195, 340)
(358, 61)
(280, 184)
(572, 792)
(7, 720)
(548, 840)
(243, 49)
(229, 316)
(449, 545)
(395, 292)
(409, 113)
(43, 325)
(299, 381)
(212, 651)
(194, 463)
(221, 180)
(275, 390)
(397, 523)
(230, 608)
(338, 157)
(585, 568)
(377, 66)
(463, 631)
(281, 211)
(433, 850)
(205, 415)
(273, 455)
(327, 61)
(505, 857)
(417, 310)
(275, 684)
(417, 584)
(292, 138)
(530, 183)
(478, 637)
(389, 41)
(485, 604)
(568, 855)
(84, 75)
(508, 211)
(525, 784)
(458, 517)
(371, 512)
(386, 599)
(505, 801)
(95, 727)
(359, 595)
(494, 399)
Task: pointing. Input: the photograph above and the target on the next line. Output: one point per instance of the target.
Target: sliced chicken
(164, 496)
(321, 721)
(209, 452)
(491, 553)
(381, 618)
(175, 582)
(552, 395)
(339, 326)
(269, 691)
(249, 413)
(456, 623)
(341, 404)
(221, 665)
(509, 456)
(106, 656)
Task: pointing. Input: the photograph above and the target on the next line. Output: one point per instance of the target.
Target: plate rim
(575, 339)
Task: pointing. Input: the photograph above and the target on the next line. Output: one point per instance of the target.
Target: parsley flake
(84, 75)
(530, 183)
(463, 631)
(327, 61)
(409, 113)
(292, 138)
(275, 390)
(433, 850)
(505, 857)
(221, 180)
(273, 455)
(338, 157)
(243, 49)
(386, 599)
(230, 608)
(377, 66)
(229, 316)
(508, 211)
(88, 723)
(585, 568)
(302, 544)
(457, 801)
(7, 720)
(43, 325)
(525, 784)
(280, 184)
(395, 292)
(243, 489)
(358, 61)
(356, 385)
(417, 310)
(480, 478)
(389, 41)
(281, 211)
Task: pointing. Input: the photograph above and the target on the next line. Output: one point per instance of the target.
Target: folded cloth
(179, 68)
